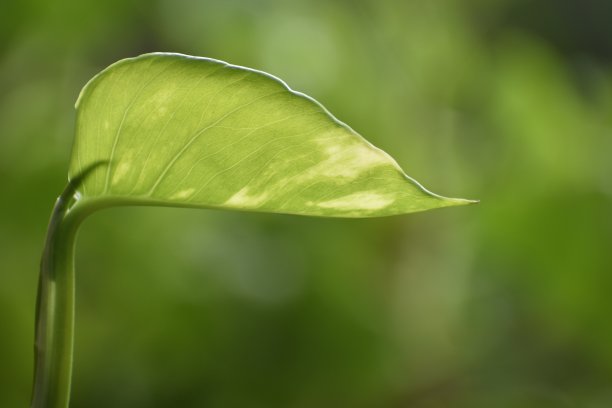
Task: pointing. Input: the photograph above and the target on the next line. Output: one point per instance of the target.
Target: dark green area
(505, 304)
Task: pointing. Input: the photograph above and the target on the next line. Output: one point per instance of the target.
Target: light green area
(172, 129)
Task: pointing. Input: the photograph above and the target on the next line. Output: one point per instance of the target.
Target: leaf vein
(125, 112)
(236, 142)
(155, 141)
(263, 146)
(195, 137)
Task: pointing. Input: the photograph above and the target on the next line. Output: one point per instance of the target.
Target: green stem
(54, 337)
(55, 309)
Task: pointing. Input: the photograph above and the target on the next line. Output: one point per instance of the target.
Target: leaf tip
(460, 201)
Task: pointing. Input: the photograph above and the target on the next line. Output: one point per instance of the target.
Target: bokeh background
(504, 304)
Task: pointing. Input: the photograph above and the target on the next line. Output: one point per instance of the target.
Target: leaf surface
(176, 130)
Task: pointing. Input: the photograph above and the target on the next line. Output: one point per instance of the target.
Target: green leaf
(177, 130)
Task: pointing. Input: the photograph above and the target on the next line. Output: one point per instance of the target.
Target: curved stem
(55, 309)
(54, 336)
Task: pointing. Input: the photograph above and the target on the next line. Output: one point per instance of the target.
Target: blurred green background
(505, 304)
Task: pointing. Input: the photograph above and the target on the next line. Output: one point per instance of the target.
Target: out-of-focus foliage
(505, 304)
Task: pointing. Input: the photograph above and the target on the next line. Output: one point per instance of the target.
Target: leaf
(177, 130)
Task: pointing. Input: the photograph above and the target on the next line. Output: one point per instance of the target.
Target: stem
(55, 309)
